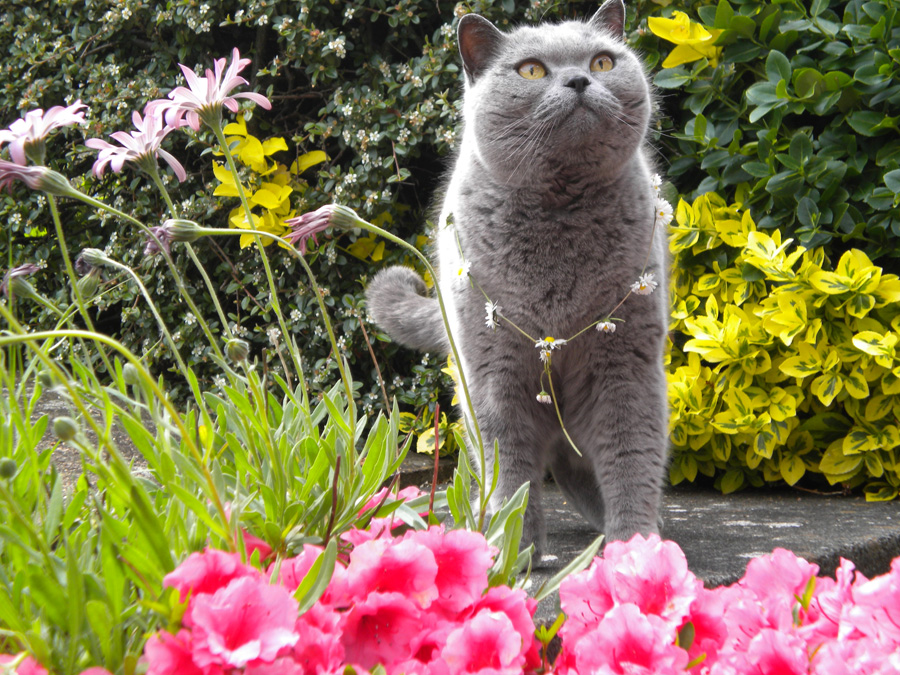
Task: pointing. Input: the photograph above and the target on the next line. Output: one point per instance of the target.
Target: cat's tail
(397, 302)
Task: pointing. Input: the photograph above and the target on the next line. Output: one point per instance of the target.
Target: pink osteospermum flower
(21, 271)
(204, 97)
(35, 178)
(309, 225)
(137, 147)
(26, 135)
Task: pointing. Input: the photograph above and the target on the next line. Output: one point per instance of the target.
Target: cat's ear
(479, 40)
(611, 17)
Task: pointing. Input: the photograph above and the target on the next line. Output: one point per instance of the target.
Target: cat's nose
(577, 82)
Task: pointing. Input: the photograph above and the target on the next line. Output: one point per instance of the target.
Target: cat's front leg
(620, 422)
(509, 413)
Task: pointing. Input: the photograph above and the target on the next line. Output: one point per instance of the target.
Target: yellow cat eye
(602, 63)
(532, 70)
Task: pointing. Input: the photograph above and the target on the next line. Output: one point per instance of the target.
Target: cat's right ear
(479, 41)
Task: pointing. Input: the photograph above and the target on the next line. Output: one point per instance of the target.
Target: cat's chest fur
(564, 249)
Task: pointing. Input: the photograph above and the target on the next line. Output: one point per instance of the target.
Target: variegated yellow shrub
(783, 363)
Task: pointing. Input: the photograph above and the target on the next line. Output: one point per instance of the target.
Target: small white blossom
(655, 183)
(190, 319)
(492, 310)
(550, 343)
(274, 334)
(544, 398)
(462, 272)
(645, 285)
(606, 327)
(338, 47)
(296, 315)
(663, 212)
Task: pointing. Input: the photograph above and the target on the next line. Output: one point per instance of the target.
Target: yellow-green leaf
(873, 465)
(792, 469)
(836, 466)
(856, 385)
(829, 282)
(826, 387)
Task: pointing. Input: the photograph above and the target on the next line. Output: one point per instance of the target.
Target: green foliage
(797, 118)
(784, 361)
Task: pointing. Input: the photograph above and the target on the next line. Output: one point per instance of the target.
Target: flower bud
(237, 350)
(65, 428)
(22, 288)
(94, 257)
(46, 379)
(131, 374)
(8, 467)
(182, 230)
(89, 283)
(54, 183)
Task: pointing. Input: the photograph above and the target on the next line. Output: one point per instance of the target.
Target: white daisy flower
(549, 343)
(606, 327)
(462, 272)
(663, 212)
(655, 183)
(645, 285)
(492, 311)
(544, 398)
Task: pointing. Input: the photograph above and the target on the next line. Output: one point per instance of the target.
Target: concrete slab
(719, 533)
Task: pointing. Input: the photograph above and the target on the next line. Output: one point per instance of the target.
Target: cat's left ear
(611, 17)
(479, 41)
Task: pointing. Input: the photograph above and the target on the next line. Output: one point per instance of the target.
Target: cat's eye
(602, 63)
(532, 70)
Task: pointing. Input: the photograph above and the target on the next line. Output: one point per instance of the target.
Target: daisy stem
(556, 407)
(510, 322)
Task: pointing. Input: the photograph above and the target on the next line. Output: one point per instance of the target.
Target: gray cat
(552, 214)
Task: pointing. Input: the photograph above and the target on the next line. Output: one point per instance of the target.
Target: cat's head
(554, 94)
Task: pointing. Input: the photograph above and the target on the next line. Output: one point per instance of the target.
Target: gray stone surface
(719, 533)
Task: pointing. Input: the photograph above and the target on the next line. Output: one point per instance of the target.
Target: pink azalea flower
(253, 543)
(381, 629)
(710, 629)
(876, 610)
(832, 599)
(27, 666)
(585, 597)
(777, 579)
(207, 572)
(463, 559)
(519, 608)
(95, 671)
(654, 575)
(282, 666)
(167, 654)
(486, 643)
(319, 647)
(139, 147)
(26, 135)
(627, 641)
(247, 622)
(776, 652)
(204, 97)
(388, 566)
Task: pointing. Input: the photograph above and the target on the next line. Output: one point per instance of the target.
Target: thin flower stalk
(273, 289)
(153, 171)
(344, 217)
(22, 336)
(109, 262)
(339, 359)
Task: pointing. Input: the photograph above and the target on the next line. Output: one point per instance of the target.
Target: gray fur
(552, 207)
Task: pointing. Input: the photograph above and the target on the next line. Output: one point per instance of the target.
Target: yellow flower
(693, 41)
